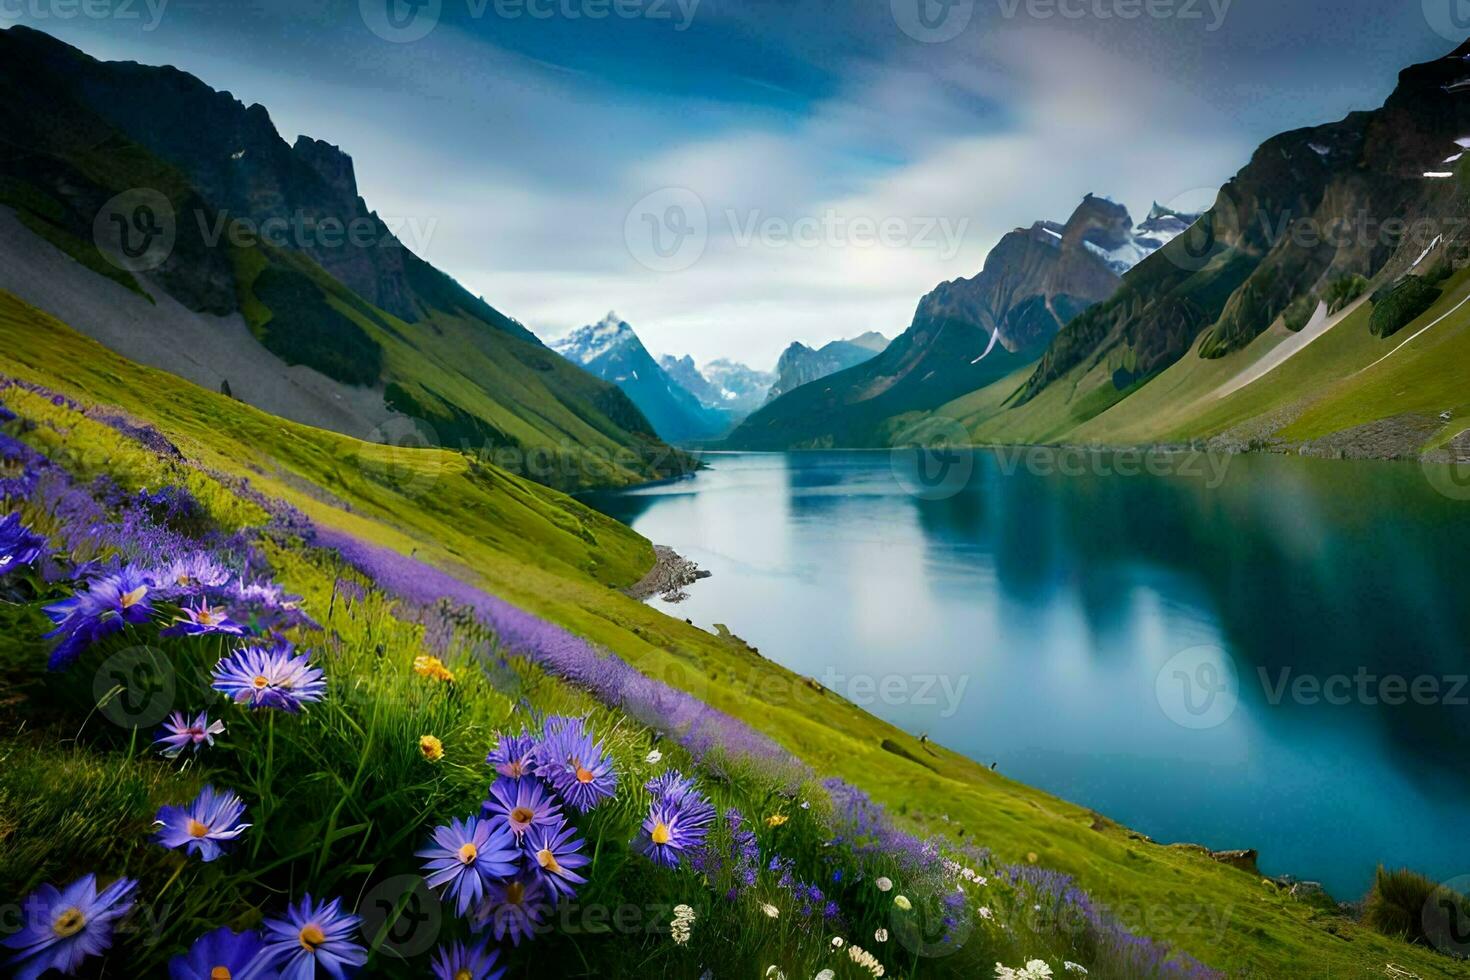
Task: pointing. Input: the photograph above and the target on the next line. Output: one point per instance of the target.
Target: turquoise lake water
(1249, 652)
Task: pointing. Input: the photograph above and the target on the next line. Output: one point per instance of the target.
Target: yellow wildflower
(433, 667)
(431, 747)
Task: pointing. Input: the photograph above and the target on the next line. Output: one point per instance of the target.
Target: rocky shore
(667, 579)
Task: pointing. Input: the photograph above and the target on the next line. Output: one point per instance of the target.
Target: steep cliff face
(1372, 195)
(1038, 279)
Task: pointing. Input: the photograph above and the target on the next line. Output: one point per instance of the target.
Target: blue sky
(819, 164)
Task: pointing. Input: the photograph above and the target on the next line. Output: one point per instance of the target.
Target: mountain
(684, 373)
(1313, 210)
(610, 350)
(174, 224)
(800, 364)
(968, 333)
(742, 388)
(726, 387)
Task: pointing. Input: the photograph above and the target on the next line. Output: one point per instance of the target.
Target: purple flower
(19, 547)
(277, 677)
(576, 767)
(85, 618)
(514, 756)
(179, 733)
(313, 934)
(513, 909)
(219, 954)
(190, 574)
(201, 826)
(63, 928)
(556, 853)
(465, 856)
(521, 804)
(203, 620)
(268, 603)
(677, 822)
(456, 961)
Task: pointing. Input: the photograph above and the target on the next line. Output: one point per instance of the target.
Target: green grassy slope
(1345, 379)
(554, 557)
(75, 132)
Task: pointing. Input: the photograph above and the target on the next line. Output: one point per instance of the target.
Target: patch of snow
(1452, 159)
(1124, 257)
(1424, 253)
(238, 154)
(1055, 234)
(1438, 174)
(1463, 142)
(1319, 149)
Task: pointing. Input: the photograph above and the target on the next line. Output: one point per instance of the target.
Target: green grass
(550, 555)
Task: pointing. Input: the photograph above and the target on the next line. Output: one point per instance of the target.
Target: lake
(1242, 652)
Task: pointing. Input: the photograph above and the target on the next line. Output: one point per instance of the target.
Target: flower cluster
(506, 867)
(682, 927)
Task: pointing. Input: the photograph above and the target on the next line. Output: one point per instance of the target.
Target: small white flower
(825, 975)
(902, 902)
(884, 884)
(985, 913)
(1071, 967)
(836, 942)
(881, 935)
(805, 805)
(770, 910)
(654, 757)
(774, 972)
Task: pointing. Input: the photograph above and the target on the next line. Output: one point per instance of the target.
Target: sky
(734, 175)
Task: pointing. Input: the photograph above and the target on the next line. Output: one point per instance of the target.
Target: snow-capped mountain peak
(586, 344)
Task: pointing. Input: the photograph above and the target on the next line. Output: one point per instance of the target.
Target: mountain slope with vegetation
(969, 332)
(554, 559)
(245, 228)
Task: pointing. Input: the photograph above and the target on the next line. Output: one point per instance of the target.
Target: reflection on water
(1048, 606)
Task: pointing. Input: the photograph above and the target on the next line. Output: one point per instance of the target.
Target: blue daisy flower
(457, 961)
(202, 826)
(313, 934)
(62, 928)
(220, 955)
(465, 856)
(274, 677)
